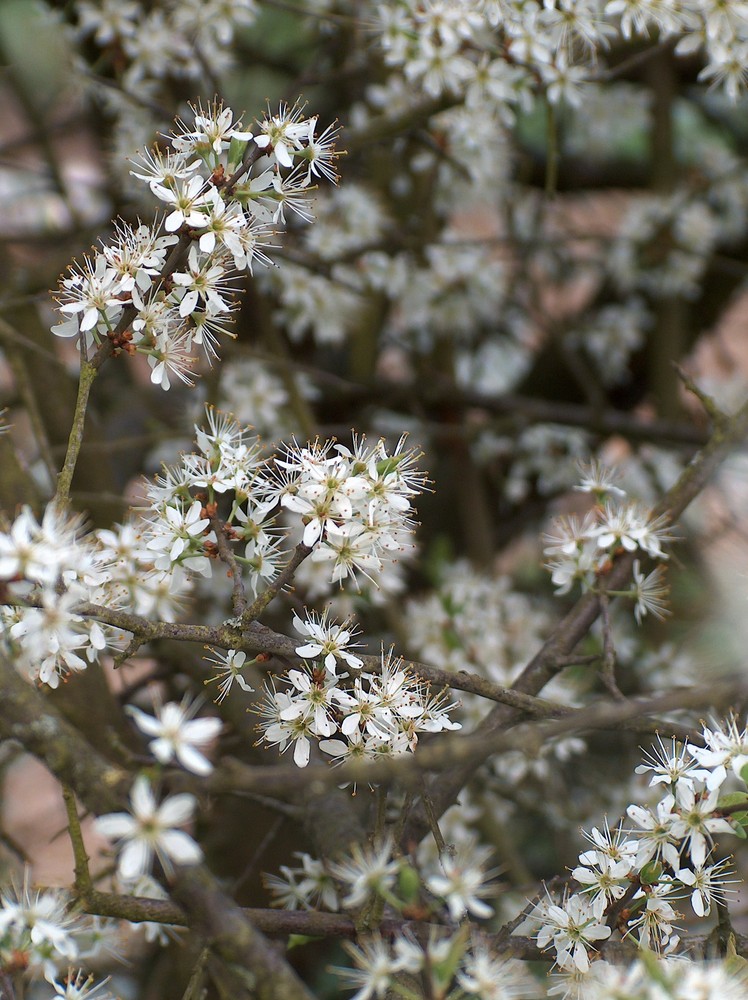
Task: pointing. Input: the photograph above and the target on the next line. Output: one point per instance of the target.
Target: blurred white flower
(151, 829)
(177, 734)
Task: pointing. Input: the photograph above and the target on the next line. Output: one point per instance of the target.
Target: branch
(228, 558)
(523, 409)
(258, 638)
(83, 884)
(576, 623)
(312, 923)
(267, 975)
(29, 718)
(468, 752)
(65, 478)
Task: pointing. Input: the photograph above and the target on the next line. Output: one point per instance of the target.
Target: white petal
(311, 650)
(176, 810)
(135, 859)
(180, 847)
(141, 797)
(301, 752)
(146, 723)
(193, 761)
(202, 730)
(116, 825)
(162, 749)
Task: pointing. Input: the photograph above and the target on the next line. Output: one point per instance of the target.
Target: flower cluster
(41, 933)
(444, 964)
(456, 882)
(52, 568)
(147, 41)
(509, 51)
(48, 568)
(378, 713)
(167, 294)
(447, 291)
(354, 503)
(351, 506)
(448, 627)
(651, 978)
(630, 878)
(582, 548)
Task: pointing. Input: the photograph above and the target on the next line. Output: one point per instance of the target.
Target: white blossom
(151, 829)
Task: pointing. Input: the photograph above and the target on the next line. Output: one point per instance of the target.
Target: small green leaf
(740, 818)
(655, 971)
(732, 799)
(651, 873)
(388, 465)
(236, 152)
(446, 969)
(297, 940)
(409, 883)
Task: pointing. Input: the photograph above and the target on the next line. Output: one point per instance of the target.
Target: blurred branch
(30, 718)
(236, 940)
(576, 623)
(457, 753)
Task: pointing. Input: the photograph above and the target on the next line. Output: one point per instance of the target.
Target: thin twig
(718, 416)
(195, 989)
(227, 556)
(88, 373)
(253, 612)
(608, 666)
(441, 844)
(83, 883)
(272, 832)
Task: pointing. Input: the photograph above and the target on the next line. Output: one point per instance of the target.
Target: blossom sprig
(457, 883)
(648, 977)
(352, 507)
(379, 713)
(508, 55)
(447, 963)
(354, 503)
(48, 568)
(665, 856)
(41, 932)
(169, 309)
(580, 550)
(144, 43)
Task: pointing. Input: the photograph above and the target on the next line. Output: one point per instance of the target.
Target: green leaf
(236, 152)
(387, 465)
(651, 873)
(445, 970)
(740, 818)
(409, 883)
(297, 940)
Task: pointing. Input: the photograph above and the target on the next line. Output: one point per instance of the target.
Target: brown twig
(227, 556)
